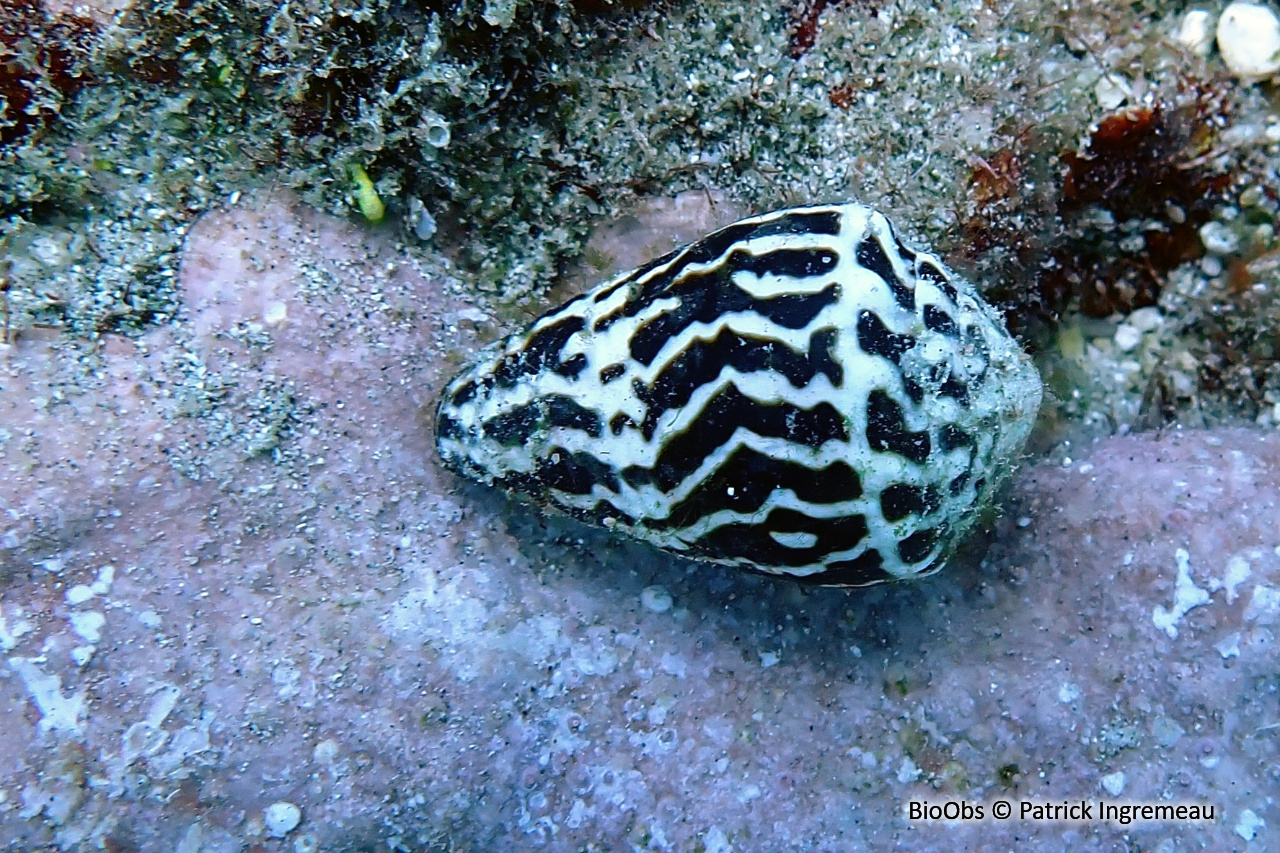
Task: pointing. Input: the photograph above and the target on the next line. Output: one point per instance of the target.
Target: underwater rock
(339, 625)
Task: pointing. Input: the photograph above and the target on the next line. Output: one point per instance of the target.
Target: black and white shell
(798, 393)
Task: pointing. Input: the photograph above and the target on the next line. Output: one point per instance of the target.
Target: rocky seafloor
(245, 609)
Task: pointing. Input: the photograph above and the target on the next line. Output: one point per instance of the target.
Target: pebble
(1195, 31)
(274, 312)
(1113, 783)
(79, 594)
(1111, 91)
(281, 819)
(1146, 319)
(88, 625)
(656, 599)
(421, 220)
(1248, 825)
(1127, 337)
(1218, 238)
(1249, 39)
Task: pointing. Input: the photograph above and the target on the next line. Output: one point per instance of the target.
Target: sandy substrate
(233, 575)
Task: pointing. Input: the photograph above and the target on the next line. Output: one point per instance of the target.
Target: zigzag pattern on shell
(798, 393)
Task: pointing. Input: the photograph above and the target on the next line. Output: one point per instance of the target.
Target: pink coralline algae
(243, 608)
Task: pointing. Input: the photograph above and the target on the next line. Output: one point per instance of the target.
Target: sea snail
(798, 394)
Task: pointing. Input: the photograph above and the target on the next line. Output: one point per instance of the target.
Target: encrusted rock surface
(325, 618)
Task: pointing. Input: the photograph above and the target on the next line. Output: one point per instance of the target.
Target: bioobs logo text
(949, 810)
(1066, 810)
